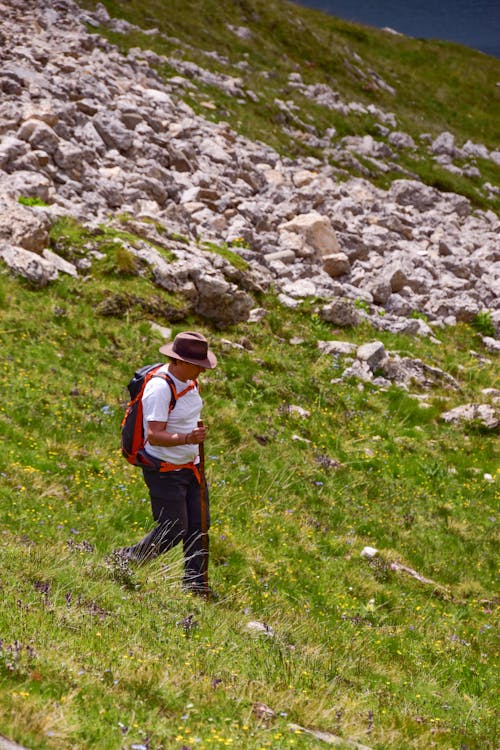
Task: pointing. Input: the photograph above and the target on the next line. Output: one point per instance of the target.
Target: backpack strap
(166, 466)
(174, 395)
(147, 461)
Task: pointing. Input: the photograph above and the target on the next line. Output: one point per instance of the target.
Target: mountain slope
(353, 419)
(430, 86)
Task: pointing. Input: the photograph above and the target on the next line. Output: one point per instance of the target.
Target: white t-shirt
(183, 418)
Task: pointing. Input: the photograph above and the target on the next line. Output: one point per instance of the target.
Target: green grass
(74, 242)
(92, 658)
(225, 252)
(31, 201)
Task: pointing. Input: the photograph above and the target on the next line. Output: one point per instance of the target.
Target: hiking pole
(204, 515)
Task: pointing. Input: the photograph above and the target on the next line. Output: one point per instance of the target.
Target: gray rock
(380, 290)
(113, 132)
(24, 227)
(397, 275)
(317, 232)
(39, 135)
(401, 140)
(26, 184)
(299, 288)
(221, 301)
(341, 312)
(491, 344)
(285, 256)
(413, 193)
(405, 371)
(25, 263)
(476, 150)
(485, 414)
(59, 264)
(91, 131)
(359, 370)
(444, 144)
(70, 158)
(6, 744)
(408, 326)
(337, 348)
(11, 148)
(257, 315)
(336, 264)
(373, 353)
(354, 246)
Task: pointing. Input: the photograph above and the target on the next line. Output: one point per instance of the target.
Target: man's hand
(197, 436)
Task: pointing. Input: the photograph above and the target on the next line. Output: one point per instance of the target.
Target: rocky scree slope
(94, 134)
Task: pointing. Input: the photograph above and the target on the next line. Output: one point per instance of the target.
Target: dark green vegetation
(96, 657)
(430, 86)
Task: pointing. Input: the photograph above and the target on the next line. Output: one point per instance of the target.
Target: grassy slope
(92, 657)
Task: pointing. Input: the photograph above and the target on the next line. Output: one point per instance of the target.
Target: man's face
(190, 371)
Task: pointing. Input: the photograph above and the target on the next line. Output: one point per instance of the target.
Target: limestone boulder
(485, 414)
(39, 135)
(407, 371)
(373, 353)
(444, 144)
(29, 265)
(24, 227)
(413, 193)
(220, 300)
(26, 184)
(336, 264)
(341, 312)
(379, 288)
(59, 264)
(401, 140)
(113, 132)
(337, 348)
(11, 148)
(317, 232)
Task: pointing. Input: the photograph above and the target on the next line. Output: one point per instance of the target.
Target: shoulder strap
(173, 390)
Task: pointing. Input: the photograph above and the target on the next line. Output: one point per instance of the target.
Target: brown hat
(191, 347)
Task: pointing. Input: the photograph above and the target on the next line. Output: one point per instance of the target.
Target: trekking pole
(204, 515)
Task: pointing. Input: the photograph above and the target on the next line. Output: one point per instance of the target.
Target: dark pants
(175, 503)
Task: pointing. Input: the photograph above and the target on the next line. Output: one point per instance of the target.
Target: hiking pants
(176, 508)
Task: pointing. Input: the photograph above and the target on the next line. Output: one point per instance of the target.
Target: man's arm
(157, 434)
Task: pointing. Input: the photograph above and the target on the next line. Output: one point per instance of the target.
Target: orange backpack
(132, 430)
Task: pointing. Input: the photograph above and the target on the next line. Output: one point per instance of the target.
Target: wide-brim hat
(191, 347)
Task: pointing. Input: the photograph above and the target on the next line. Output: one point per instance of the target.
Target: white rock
(254, 626)
(60, 264)
(257, 314)
(484, 413)
(373, 353)
(336, 347)
(30, 265)
(316, 230)
(369, 552)
(444, 144)
(300, 288)
(165, 332)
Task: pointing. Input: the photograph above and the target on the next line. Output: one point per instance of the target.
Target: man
(172, 438)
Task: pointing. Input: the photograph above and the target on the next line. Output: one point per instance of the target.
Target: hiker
(172, 439)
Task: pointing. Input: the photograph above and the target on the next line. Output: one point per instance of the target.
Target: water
(474, 23)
